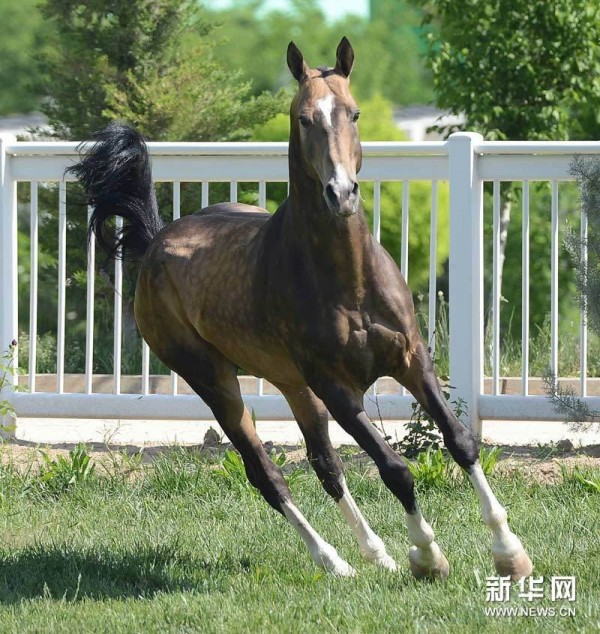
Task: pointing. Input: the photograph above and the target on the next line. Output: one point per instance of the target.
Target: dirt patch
(544, 471)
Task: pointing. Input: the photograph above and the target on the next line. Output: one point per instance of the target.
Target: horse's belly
(261, 356)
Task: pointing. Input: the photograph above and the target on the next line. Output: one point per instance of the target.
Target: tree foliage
(587, 173)
(147, 62)
(518, 69)
(23, 33)
(388, 46)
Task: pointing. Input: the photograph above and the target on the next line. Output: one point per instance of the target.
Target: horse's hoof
(385, 561)
(514, 565)
(330, 561)
(341, 568)
(428, 565)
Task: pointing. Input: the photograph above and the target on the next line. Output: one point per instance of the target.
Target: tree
(24, 32)
(148, 62)
(517, 69)
(388, 46)
(587, 173)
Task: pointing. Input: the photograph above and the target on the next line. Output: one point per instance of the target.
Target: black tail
(117, 179)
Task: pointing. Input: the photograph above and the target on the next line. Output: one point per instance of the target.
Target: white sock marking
(370, 544)
(323, 554)
(419, 531)
(425, 552)
(504, 542)
(325, 105)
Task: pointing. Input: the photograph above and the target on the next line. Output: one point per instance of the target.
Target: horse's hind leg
(313, 419)
(510, 557)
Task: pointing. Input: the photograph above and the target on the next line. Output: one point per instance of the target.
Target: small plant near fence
(583, 479)
(233, 471)
(422, 431)
(488, 459)
(433, 468)
(60, 474)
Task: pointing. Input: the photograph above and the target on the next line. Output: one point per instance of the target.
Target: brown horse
(305, 298)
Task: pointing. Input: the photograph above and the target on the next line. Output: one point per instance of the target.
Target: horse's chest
(360, 347)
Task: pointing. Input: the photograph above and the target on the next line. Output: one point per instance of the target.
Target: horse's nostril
(331, 195)
(355, 189)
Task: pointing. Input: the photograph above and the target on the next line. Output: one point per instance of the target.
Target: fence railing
(465, 162)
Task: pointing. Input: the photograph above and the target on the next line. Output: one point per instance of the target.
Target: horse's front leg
(509, 555)
(426, 557)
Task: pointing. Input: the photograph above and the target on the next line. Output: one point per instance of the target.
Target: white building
(414, 121)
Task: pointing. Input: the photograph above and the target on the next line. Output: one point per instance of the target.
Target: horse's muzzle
(343, 201)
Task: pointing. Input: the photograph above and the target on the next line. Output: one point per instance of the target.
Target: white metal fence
(465, 161)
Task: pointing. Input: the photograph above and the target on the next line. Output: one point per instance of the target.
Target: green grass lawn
(176, 547)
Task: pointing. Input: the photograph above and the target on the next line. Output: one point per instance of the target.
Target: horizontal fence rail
(456, 185)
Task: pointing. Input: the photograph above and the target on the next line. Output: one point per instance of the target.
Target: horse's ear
(344, 58)
(298, 67)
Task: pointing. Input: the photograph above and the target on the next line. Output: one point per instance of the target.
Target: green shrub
(64, 473)
(583, 479)
(488, 459)
(432, 468)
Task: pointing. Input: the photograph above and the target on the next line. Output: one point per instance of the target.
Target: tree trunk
(505, 208)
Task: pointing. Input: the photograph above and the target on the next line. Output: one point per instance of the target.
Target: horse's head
(324, 119)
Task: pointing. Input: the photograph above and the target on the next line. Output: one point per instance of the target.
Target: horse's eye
(355, 116)
(304, 120)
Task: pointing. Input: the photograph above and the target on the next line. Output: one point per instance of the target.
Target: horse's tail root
(117, 178)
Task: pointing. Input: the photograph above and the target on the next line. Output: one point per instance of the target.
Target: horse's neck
(337, 250)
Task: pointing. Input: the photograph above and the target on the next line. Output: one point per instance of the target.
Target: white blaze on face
(341, 178)
(325, 105)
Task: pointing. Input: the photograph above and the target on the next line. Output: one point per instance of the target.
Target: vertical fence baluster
(496, 293)
(262, 202)
(204, 199)
(62, 283)
(583, 333)
(176, 216)
(404, 244)
(433, 264)
(525, 292)
(89, 309)
(145, 368)
(262, 194)
(376, 229)
(118, 312)
(233, 192)
(554, 284)
(33, 290)
(377, 210)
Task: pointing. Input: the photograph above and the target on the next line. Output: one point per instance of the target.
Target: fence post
(466, 274)
(8, 258)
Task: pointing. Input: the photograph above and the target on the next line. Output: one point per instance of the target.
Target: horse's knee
(268, 479)
(329, 470)
(461, 444)
(399, 480)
